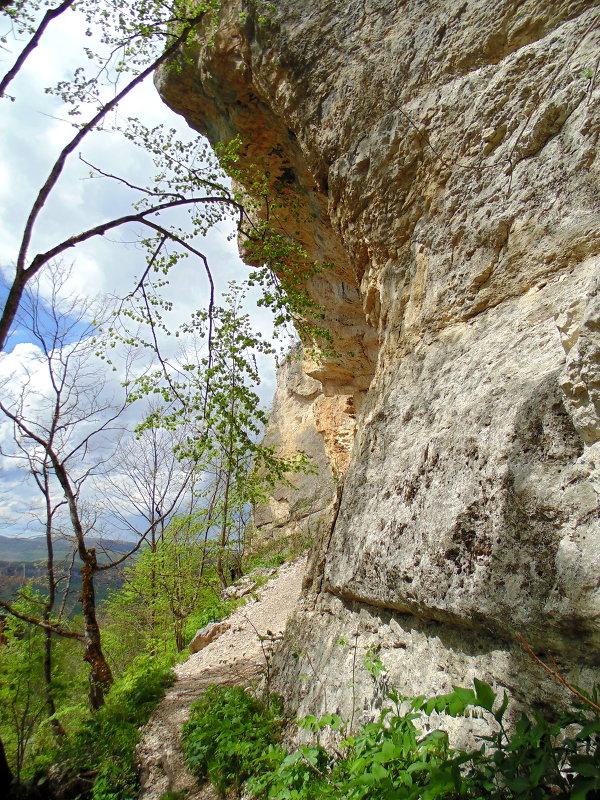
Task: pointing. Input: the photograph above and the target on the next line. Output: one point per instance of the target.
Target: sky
(33, 129)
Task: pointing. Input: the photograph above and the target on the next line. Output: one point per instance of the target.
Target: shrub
(232, 737)
(227, 735)
(106, 742)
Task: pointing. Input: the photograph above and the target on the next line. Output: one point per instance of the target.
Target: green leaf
(499, 713)
(587, 766)
(390, 750)
(379, 771)
(582, 787)
(485, 694)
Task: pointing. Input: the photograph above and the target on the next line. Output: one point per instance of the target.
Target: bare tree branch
(51, 14)
(40, 623)
(557, 675)
(23, 273)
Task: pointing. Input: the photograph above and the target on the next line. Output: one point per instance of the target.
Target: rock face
(302, 507)
(304, 420)
(446, 156)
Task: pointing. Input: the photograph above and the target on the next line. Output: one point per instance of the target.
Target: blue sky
(33, 129)
(20, 334)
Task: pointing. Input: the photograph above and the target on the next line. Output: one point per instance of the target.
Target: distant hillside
(14, 548)
(14, 575)
(23, 560)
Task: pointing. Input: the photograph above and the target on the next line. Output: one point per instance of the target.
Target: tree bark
(101, 678)
(57, 727)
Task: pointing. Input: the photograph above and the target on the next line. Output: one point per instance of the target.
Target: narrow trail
(236, 657)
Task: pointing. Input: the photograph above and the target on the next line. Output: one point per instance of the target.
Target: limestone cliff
(303, 420)
(446, 157)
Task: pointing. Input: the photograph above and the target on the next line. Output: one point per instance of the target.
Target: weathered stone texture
(206, 635)
(447, 157)
(304, 506)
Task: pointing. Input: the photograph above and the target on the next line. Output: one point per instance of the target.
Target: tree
(163, 587)
(213, 394)
(22, 706)
(211, 408)
(148, 487)
(63, 418)
(135, 40)
(148, 484)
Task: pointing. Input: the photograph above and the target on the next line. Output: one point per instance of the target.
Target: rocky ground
(236, 657)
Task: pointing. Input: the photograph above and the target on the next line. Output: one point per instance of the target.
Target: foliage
(212, 394)
(132, 40)
(270, 240)
(106, 742)
(210, 609)
(26, 728)
(398, 757)
(227, 734)
(22, 705)
(263, 11)
(145, 617)
(273, 553)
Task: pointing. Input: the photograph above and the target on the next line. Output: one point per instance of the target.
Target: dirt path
(236, 657)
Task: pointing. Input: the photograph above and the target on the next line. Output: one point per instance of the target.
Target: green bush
(232, 737)
(227, 735)
(212, 609)
(106, 742)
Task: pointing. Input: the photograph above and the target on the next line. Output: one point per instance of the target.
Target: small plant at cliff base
(372, 662)
(393, 759)
(227, 735)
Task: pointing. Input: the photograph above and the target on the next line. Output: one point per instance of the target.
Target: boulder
(207, 635)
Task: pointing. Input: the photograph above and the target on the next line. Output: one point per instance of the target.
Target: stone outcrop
(206, 635)
(300, 507)
(446, 158)
(304, 420)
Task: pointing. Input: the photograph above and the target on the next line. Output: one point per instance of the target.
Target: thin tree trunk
(224, 532)
(57, 728)
(101, 678)
(209, 516)
(179, 639)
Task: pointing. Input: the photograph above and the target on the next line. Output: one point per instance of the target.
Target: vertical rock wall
(303, 420)
(445, 154)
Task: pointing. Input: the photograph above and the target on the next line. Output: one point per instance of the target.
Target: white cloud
(32, 132)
